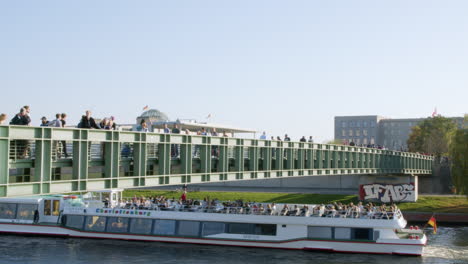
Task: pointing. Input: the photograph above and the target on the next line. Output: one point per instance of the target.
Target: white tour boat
(304, 227)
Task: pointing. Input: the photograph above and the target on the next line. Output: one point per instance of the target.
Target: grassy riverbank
(440, 204)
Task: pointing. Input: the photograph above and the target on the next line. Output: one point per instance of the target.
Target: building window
(365, 141)
(343, 133)
(364, 132)
(372, 140)
(358, 133)
(351, 124)
(350, 133)
(358, 124)
(343, 124)
(372, 123)
(364, 124)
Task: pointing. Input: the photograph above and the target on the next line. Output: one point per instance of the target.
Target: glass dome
(154, 115)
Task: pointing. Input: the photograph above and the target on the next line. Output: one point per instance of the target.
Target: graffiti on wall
(387, 193)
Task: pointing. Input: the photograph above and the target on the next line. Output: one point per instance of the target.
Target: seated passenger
(304, 211)
(285, 210)
(322, 210)
(332, 212)
(296, 211)
(261, 209)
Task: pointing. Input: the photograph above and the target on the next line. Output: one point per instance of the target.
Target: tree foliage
(335, 142)
(433, 136)
(459, 157)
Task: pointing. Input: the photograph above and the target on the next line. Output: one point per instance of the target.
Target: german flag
(432, 222)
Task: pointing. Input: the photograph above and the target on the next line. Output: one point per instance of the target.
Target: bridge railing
(41, 160)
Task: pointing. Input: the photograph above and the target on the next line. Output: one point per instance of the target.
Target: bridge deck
(43, 160)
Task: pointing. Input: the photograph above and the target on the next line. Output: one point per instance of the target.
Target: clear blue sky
(279, 66)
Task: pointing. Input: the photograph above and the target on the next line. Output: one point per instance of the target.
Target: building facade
(358, 129)
(376, 130)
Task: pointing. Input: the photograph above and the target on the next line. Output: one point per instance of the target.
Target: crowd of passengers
(336, 209)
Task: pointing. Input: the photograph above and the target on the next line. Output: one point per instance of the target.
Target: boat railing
(263, 209)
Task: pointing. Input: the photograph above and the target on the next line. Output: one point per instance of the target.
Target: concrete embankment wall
(441, 218)
(342, 184)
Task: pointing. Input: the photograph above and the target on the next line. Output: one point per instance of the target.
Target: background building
(358, 129)
(389, 133)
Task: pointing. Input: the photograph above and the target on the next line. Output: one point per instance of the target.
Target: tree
(459, 158)
(432, 136)
(334, 142)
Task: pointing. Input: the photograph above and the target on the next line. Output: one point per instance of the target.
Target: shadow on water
(448, 246)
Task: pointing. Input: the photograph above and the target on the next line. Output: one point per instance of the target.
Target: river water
(449, 245)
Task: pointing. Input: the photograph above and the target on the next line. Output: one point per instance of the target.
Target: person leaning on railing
(3, 118)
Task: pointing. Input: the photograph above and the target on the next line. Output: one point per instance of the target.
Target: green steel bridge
(33, 160)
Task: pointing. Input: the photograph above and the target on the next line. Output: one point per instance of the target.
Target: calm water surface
(450, 245)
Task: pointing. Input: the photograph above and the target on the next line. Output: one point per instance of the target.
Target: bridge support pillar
(389, 188)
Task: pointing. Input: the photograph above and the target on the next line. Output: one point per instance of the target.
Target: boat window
(47, 207)
(26, 211)
(362, 233)
(265, 230)
(117, 224)
(213, 228)
(252, 229)
(237, 228)
(56, 207)
(342, 233)
(319, 232)
(74, 221)
(141, 226)
(376, 235)
(164, 227)
(7, 211)
(95, 223)
(188, 228)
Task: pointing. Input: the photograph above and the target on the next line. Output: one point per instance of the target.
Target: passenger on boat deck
(305, 210)
(269, 211)
(261, 209)
(333, 211)
(285, 210)
(322, 210)
(296, 211)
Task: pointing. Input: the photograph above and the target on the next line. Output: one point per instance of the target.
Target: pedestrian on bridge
(3, 118)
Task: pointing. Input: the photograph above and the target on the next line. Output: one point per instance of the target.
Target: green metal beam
(107, 159)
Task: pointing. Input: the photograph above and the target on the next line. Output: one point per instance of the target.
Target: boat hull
(415, 248)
